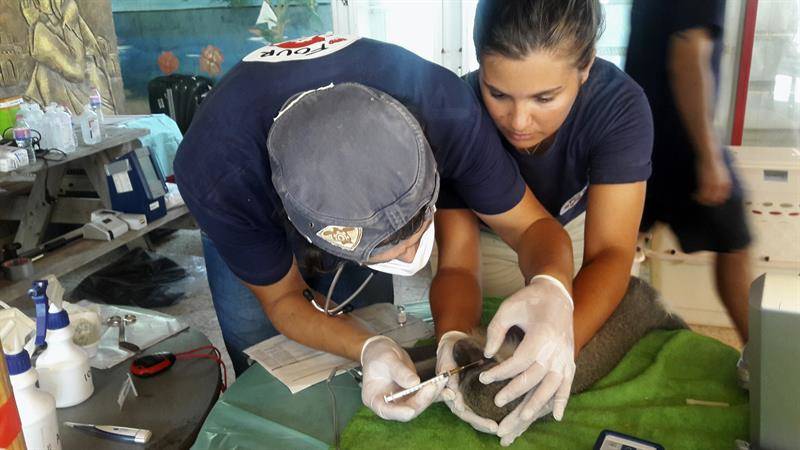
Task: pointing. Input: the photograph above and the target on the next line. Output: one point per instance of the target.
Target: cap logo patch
(342, 237)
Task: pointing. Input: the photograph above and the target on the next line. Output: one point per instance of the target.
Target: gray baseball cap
(352, 166)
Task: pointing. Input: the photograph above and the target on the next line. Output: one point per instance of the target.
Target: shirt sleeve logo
(569, 204)
(301, 49)
(342, 237)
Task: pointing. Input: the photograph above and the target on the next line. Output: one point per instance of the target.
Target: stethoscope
(343, 307)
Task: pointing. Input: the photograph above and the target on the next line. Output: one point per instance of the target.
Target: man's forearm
(296, 319)
(456, 301)
(546, 248)
(692, 83)
(597, 291)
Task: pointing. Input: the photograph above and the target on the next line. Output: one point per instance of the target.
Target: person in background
(335, 147)
(674, 54)
(581, 132)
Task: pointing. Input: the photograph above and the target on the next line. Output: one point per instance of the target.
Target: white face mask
(397, 267)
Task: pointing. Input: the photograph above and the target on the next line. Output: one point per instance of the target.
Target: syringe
(441, 377)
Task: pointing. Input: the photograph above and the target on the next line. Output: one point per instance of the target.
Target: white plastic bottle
(35, 117)
(61, 128)
(63, 367)
(90, 126)
(37, 409)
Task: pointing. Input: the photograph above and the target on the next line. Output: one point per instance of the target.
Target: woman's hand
(543, 363)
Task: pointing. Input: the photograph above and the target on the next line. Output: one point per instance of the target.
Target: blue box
(136, 185)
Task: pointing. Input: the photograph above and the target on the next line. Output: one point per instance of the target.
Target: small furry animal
(640, 311)
(478, 396)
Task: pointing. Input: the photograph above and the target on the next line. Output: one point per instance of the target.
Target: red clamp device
(151, 365)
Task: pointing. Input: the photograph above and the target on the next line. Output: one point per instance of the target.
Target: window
(772, 114)
(441, 30)
(429, 28)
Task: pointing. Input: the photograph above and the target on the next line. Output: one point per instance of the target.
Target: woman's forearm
(456, 301)
(597, 291)
(546, 249)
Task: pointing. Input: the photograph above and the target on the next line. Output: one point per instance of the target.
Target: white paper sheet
(299, 367)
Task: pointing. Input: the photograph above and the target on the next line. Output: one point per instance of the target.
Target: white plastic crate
(771, 178)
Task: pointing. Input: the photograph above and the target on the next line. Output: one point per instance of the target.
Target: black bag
(138, 278)
(178, 96)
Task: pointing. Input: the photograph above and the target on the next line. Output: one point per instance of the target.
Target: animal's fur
(478, 396)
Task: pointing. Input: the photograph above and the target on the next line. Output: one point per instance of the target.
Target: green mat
(644, 396)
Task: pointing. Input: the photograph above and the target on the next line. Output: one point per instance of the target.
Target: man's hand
(451, 395)
(387, 369)
(543, 363)
(713, 181)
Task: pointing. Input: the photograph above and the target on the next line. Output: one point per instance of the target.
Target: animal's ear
(467, 350)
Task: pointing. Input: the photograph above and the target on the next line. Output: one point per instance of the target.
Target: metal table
(173, 405)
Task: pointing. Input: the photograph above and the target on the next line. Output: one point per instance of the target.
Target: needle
(442, 376)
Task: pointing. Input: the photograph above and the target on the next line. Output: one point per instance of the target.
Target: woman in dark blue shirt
(582, 134)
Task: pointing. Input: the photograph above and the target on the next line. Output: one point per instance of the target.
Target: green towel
(644, 396)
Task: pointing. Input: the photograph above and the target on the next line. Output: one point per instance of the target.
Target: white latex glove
(451, 395)
(543, 364)
(387, 369)
(513, 425)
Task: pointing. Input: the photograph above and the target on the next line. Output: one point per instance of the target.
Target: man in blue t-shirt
(342, 143)
(674, 54)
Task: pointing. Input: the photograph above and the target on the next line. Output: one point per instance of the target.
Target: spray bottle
(37, 409)
(63, 367)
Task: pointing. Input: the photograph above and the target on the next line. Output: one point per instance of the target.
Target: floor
(197, 309)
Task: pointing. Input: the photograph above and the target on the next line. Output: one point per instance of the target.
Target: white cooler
(771, 179)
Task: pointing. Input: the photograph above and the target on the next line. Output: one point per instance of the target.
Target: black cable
(45, 158)
(45, 155)
(47, 197)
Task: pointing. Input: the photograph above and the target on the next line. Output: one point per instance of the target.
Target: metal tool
(123, 434)
(117, 321)
(441, 377)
